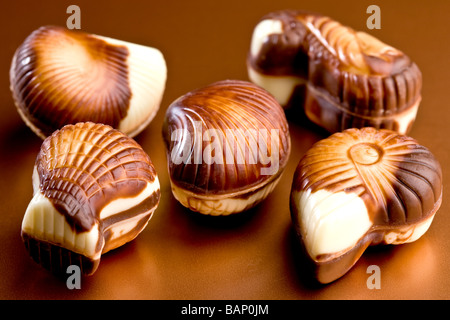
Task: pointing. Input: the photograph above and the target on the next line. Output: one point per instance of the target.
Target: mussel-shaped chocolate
(95, 189)
(362, 187)
(61, 76)
(227, 145)
(341, 77)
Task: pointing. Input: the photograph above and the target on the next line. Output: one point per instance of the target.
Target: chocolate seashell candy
(340, 77)
(60, 76)
(95, 189)
(227, 146)
(362, 187)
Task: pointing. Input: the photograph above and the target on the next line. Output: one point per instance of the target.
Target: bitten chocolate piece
(94, 190)
(61, 76)
(362, 187)
(227, 146)
(341, 77)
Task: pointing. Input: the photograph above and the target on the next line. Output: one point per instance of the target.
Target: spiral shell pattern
(61, 76)
(228, 139)
(94, 190)
(362, 187)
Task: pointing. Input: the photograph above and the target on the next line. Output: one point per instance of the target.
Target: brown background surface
(182, 255)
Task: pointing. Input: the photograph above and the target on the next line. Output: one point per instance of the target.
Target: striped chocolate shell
(349, 78)
(60, 76)
(227, 145)
(94, 190)
(362, 187)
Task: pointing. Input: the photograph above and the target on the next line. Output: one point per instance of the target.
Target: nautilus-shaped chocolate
(95, 189)
(227, 146)
(362, 187)
(342, 78)
(60, 76)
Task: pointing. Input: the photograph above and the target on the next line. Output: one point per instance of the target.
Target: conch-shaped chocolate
(362, 187)
(341, 77)
(94, 190)
(61, 76)
(227, 145)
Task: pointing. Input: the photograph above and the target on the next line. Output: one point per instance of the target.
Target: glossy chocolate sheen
(398, 180)
(247, 257)
(94, 190)
(240, 107)
(115, 167)
(45, 80)
(61, 76)
(350, 79)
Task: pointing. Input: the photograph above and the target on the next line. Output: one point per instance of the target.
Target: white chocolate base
(331, 224)
(147, 75)
(222, 205)
(262, 31)
(43, 222)
(281, 87)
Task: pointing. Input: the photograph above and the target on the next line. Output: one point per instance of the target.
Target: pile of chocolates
(227, 143)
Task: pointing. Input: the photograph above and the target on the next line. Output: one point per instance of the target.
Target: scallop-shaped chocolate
(362, 187)
(342, 78)
(60, 76)
(94, 190)
(227, 145)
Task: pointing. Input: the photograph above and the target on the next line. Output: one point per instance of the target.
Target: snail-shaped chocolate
(362, 187)
(342, 78)
(94, 190)
(227, 145)
(61, 76)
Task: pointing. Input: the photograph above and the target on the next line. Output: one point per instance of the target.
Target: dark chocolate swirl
(352, 69)
(63, 77)
(84, 167)
(362, 187)
(397, 177)
(241, 116)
